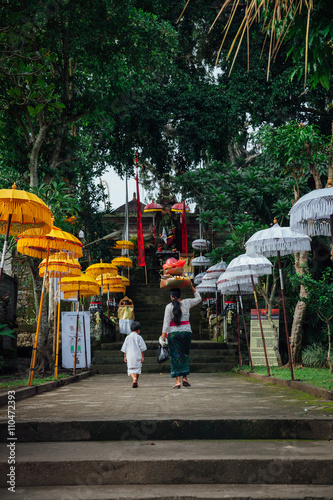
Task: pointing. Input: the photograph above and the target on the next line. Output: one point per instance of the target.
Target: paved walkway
(212, 396)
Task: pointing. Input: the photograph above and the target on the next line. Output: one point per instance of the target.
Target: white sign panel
(69, 326)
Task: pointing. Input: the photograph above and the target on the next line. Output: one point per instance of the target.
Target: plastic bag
(162, 354)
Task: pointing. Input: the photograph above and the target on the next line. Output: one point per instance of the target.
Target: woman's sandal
(177, 386)
(186, 383)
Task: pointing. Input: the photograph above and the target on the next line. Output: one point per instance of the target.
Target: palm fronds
(277, 16)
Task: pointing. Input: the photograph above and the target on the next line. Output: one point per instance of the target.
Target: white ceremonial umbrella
(198, 278)
(233, 287)
(201, 244)
(200, 261)
(216, 270)
(312, 214)
(277, 241)
(208, 285)
(253, 265)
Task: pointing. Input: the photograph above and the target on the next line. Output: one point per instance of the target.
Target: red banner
(141, 245)
(184, 230)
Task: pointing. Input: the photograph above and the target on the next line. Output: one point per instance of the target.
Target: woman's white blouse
(185, 306)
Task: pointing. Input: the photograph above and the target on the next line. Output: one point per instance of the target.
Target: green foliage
(318, 377)
(5, 331)
(320, 61)
(237, 201)
(61, 199)
(315, 355)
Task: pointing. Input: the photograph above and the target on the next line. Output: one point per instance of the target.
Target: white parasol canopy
(207, 288)
(251, 265)
(277, 239)
(201, 244)
(280, 241)
(311, 214)
(200, 261)
(198, 278)
(227, 285)
(216, 270)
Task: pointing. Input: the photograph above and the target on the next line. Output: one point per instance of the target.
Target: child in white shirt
(133, 348)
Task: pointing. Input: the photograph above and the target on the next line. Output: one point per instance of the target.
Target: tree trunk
(299, 313)
(34, 155)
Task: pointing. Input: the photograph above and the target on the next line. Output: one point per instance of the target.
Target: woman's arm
(197, 298)
(166, 321)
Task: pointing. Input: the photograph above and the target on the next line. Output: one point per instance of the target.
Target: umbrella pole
(85, 343)
(34, 350)
(76, 334)
(57, 341)
(245, 329)
(154, 230)
(5, 243)
(217, 316)
(55, 304)
(238, 333)
(260, 325)
(285, 318)
(108, 299)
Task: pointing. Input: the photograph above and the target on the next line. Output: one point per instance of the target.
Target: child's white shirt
(133, 346)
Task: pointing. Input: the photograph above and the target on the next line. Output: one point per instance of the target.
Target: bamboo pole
(57, 341)
(34, 350)
(245, 329)
(260, 325)
(285, 317)
(5, 247)
(238, 333)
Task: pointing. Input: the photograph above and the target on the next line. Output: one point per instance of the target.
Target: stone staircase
(149, 304)
(101, 453)
(206, 357)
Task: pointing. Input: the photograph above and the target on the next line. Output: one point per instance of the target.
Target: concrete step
(115, 368)
(203, 355)
(174, 492)
(78, 429)
(195, 344)
(170, 462)
(119, 359)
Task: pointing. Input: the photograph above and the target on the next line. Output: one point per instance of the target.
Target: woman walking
(176, 326)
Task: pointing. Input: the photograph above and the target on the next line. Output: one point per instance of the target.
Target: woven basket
(175, 282)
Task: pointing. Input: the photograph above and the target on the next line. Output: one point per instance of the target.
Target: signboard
(257, 351)
(69, 322)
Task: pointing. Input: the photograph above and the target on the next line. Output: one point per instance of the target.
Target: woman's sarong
(179, 344)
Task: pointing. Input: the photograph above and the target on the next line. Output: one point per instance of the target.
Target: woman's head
(175, 294)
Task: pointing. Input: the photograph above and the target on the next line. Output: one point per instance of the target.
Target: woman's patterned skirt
(179, 344)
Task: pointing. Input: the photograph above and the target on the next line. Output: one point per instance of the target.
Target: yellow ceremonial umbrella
(124, 245)
(36, 245)
(122, 262)
(81, 286)
(102, 268)
(125, 281)
(21, 210)
(117, 289)
(109, 279)
(60, 264)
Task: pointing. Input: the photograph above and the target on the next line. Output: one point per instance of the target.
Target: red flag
(141, 245)
(184, 230)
